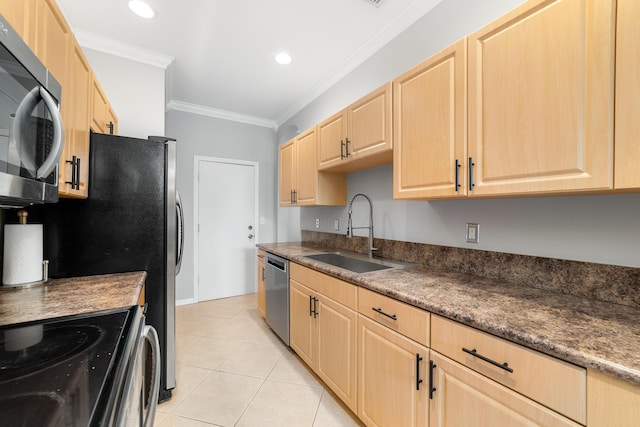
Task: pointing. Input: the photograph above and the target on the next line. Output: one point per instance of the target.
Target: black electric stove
(61, 372)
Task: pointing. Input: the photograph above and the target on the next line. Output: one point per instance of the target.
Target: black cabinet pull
(341, 149)
(432, 366)
(474, 353)
(471, 165)
(379, 310)
(77, 173)
(457, 175)
(347, 148)
(73, 172)
(310, 306)
(315, 307)
(418, 380)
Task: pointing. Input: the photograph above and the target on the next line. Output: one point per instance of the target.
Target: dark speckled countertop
(587, 332)
(63, 297)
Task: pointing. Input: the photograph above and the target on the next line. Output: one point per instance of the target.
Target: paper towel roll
(22, 254)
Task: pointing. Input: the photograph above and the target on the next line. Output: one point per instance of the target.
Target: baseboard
(184, 302)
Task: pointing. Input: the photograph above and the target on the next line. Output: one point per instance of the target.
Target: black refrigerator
(131, 221)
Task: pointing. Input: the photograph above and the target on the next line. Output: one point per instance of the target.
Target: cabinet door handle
(310, 305)
(432, 366)
(77, 173)
(418, 379)
(315, 307)
(341, 149)
(73, 172)
(457, 175)
(379, 310)
(347, 148)
(471, 165)
(263, 278)
(474, 353)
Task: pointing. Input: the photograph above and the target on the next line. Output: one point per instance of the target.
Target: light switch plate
(336, 225)
(473, 233)
(317, 222)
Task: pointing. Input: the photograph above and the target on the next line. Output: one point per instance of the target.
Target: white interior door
(226, 228)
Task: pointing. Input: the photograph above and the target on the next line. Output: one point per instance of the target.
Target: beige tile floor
(232, 370)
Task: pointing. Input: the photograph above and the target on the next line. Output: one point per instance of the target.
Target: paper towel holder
(45, 279)
(22, 219)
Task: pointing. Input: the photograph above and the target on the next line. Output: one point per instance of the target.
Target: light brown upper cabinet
(112, 120)
(74, 161)
(358, 137)
(300, 182)
(99, 105)
(53, 36)
(21, 16)
(287, 172)
(627, 157)
(541, 99)
(103, 118)
(430, 112)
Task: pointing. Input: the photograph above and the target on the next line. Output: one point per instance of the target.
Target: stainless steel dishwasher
(277, 285)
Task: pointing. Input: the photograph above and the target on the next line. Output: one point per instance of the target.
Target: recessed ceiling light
(283, 58)
(141, 9)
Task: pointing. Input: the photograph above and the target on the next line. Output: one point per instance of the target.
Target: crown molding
(408, 17)
(124, 50)
(221, 114)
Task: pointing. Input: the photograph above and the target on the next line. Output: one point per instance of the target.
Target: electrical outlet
(473, 233)
(336, 225)
(317, 222)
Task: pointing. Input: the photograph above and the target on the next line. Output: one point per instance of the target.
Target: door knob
(251, 236)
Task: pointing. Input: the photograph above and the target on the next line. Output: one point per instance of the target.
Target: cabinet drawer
(409, 321)
(558, 385)
(338, 290)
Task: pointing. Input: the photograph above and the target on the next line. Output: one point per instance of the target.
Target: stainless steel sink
(356, 265)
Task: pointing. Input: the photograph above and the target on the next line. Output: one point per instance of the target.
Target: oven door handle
(151, 336)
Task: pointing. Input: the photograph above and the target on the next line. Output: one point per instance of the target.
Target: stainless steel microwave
(31, 130)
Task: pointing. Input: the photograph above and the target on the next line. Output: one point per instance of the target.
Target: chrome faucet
(350, 227)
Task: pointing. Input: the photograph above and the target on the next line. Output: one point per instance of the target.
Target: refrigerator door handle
(180, 216)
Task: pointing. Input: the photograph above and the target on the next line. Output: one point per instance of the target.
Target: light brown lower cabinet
(393, 379)
(323, 334)
(611, 402)
(262, 290)
(463, 397)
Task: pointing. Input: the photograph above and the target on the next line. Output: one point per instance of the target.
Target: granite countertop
(76, 295)
(587, 332)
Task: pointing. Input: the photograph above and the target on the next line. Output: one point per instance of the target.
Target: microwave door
(20, 134)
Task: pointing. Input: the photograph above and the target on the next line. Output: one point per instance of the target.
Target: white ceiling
(221, 52)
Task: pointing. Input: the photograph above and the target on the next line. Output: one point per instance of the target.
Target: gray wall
(205, 136)
(585, 228)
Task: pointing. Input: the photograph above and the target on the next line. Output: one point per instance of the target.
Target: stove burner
(58, 344)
